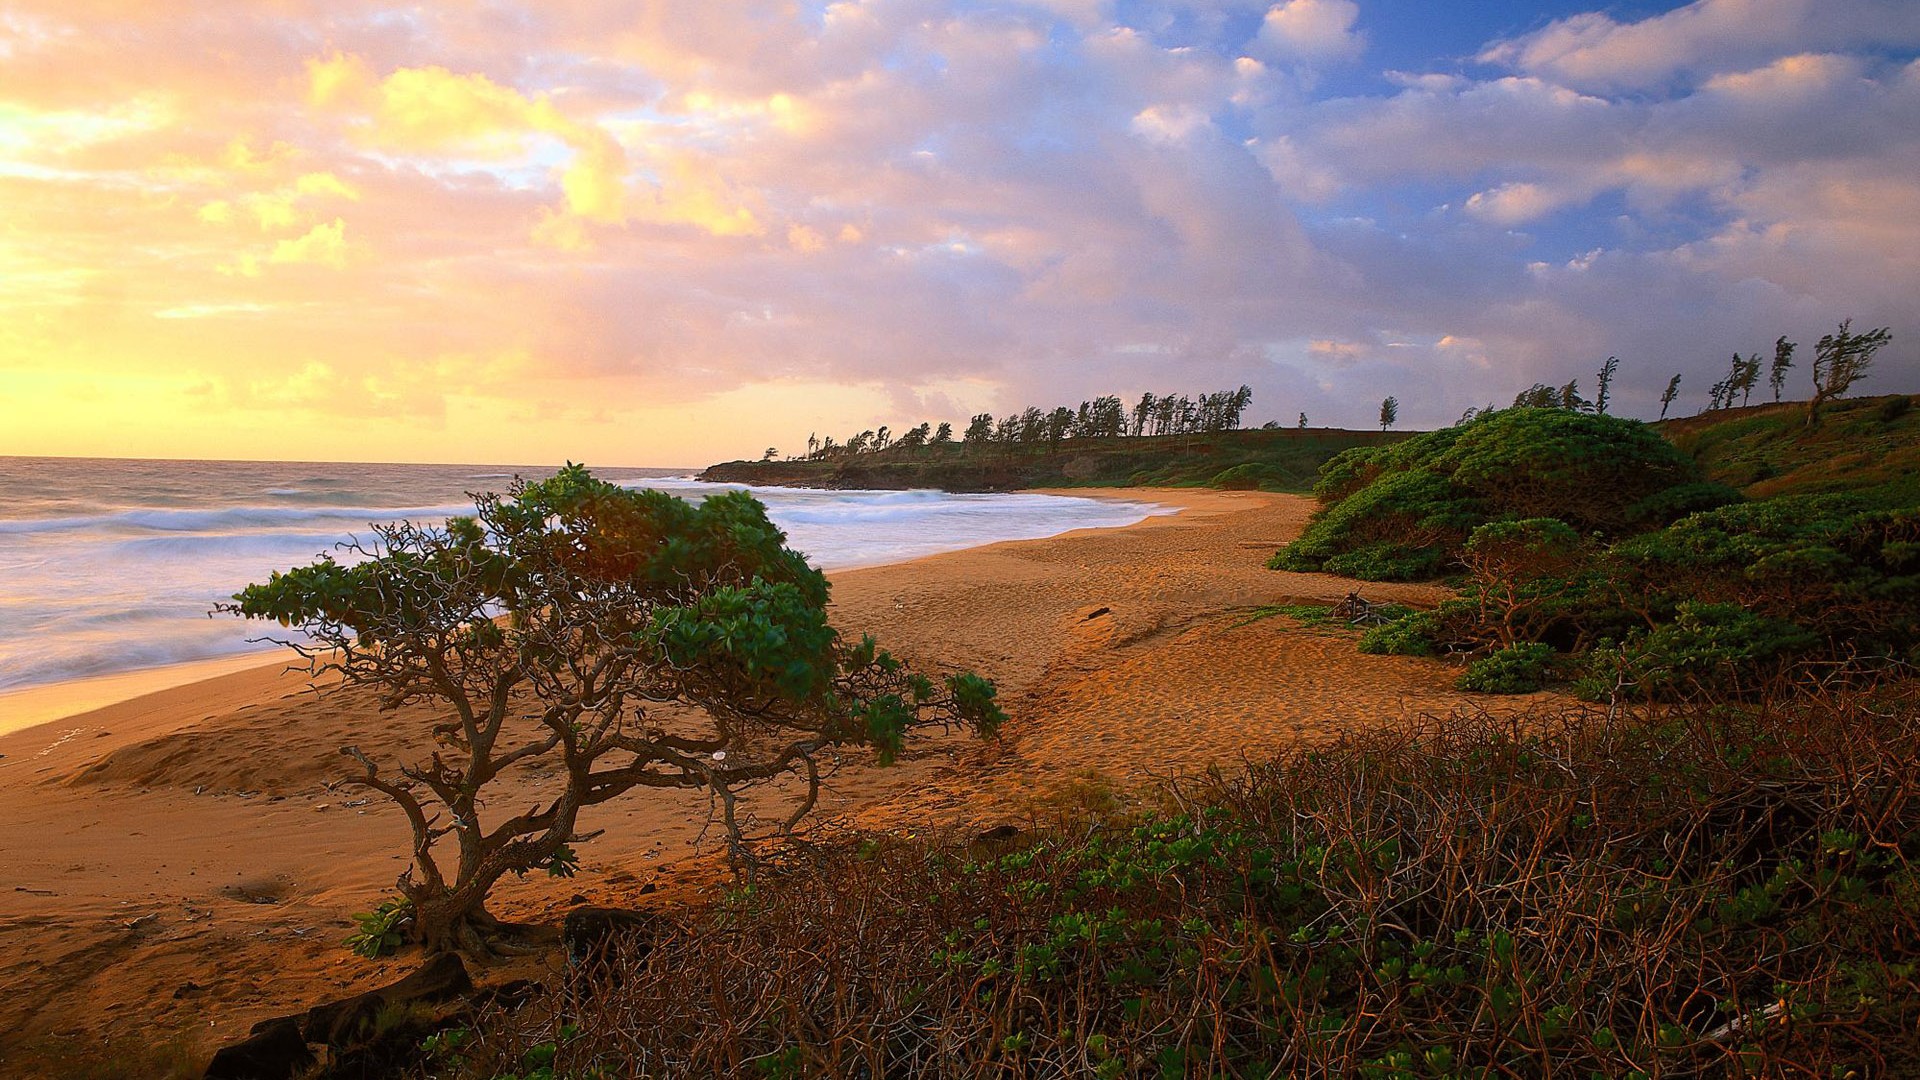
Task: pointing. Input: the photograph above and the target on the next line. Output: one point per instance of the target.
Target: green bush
(1585, 469)
(1252, 476)
(1674, 503)
(382, 930)
(1847, 573)
(1404, 511)
(1409, 635)
(1402, 526)
(1348, 472)
(1385, 562)
(1712, 647)
(1520, 668)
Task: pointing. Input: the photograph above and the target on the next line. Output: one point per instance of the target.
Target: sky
(676, 231)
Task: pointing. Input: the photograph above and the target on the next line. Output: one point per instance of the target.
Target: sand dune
(181, 864)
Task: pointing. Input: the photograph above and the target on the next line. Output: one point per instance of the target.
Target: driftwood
(1358, 611)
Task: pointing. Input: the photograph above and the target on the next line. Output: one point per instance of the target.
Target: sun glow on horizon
(689, 230)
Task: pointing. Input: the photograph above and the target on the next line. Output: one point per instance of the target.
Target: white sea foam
(109, 566)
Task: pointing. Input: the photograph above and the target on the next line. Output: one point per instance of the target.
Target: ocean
(108, 566)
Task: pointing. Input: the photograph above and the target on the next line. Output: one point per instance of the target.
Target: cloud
(1518, 202)
(1314, 30)
(1594, 51)
(601, 225)
(322, 245)
(432, 110)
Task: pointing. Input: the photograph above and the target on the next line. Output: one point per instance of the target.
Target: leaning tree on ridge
(578, 625)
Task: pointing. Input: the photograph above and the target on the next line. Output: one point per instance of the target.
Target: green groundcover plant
(1720, 890)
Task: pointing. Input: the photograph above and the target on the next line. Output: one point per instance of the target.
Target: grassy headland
(1267, 459)
(1869, 447)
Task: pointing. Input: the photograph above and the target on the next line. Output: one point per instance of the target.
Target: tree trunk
(455, 920)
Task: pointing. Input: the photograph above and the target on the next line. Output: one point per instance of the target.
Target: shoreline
(25, 707)
(44, 705)
(186, 863)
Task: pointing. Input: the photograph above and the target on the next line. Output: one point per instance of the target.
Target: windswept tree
(1143, 413)
(1840, 360)
(1237, 404)
(1782, 360)
(588, 640)
(1389, 412)
(1537, 396)
(1059, 425)
(913, 438)
(1032, 425)
(942, 435)
(1520, 570)
(1106, 417)
(979, 431)
(1667, 398)
(1741, 379)
(1605, 394)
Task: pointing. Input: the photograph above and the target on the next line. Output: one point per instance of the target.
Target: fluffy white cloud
(1594, 51)
(1313, 30)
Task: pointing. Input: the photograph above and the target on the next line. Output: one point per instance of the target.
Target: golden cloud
(324, 245)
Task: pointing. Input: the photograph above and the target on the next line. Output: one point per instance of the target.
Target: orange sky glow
(668, 232)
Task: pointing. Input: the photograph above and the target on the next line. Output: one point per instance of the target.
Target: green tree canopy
(619, 638)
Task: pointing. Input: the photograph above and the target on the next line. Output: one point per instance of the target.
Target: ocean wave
(107, 588)
(40, 667)
(275, 546)
(226, 518)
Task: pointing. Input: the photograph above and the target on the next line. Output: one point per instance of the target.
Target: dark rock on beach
(274, 1051)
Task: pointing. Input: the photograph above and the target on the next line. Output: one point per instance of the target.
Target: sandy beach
(180, 865)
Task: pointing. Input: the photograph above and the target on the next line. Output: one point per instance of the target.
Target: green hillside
(1866, 446)
(1269, 459)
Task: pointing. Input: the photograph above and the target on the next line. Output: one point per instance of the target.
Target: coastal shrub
(1846, 572)
(1716, 649)
(1413, 634)
(1674, 503)
(1585, 469)
(614, 639)
(1715, 890)
(1401, 526)
(1348, 472)
(1252, 476)
(1404, 511)
(1520, 668)
(1521, 574)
